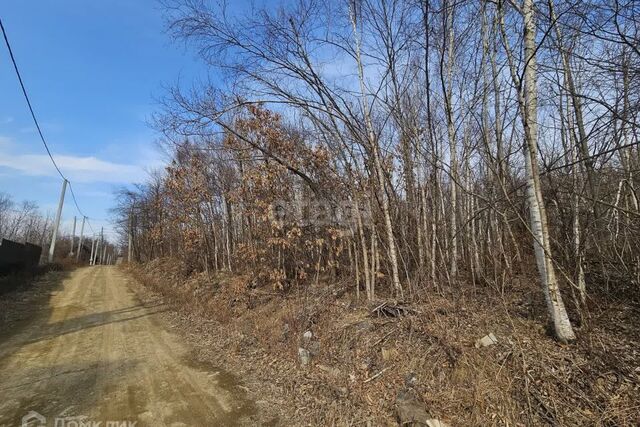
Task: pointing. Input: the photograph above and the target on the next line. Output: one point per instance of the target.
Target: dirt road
(96, 353)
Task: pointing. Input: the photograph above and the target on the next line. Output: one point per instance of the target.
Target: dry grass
(362, 362)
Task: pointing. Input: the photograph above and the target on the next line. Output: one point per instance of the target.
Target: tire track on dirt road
(100, 354)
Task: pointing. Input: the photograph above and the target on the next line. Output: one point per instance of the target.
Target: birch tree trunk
(538, 218)
(363, 244)
(576, 103)
(451, 134)
(377, 162)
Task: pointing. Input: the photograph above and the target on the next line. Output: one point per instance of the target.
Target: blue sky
(94, 71)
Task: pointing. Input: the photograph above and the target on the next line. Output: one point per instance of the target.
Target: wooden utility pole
(81, 239)
(56, 224)
(73, 236)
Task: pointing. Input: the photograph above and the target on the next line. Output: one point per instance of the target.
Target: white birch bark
(527, 101)
(562, 326)
(377, 162)
(453, 156)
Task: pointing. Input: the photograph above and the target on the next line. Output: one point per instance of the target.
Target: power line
(35, 120)
(75, 201)
(26, 97)
(89, 224)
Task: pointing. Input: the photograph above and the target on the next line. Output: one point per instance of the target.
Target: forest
(406, 150)
(23, 221)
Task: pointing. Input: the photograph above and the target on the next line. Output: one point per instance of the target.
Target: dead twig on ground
(377, 375)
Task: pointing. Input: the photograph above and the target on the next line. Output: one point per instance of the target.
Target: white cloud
(75, 168)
